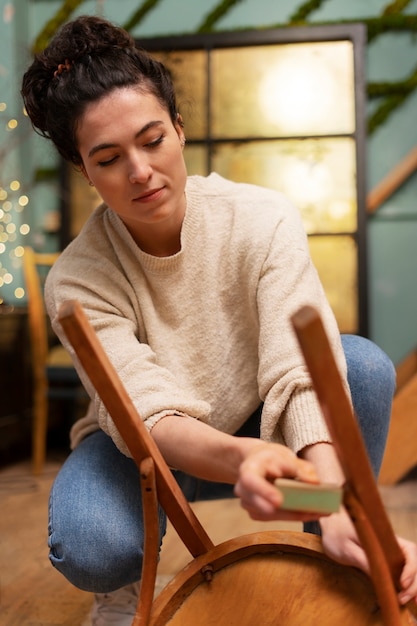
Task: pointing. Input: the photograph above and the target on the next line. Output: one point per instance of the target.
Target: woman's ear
(179, 125)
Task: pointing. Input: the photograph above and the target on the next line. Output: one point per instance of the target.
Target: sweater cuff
(303, 423)
(154, 419)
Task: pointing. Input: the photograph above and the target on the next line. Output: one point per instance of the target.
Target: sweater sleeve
(107, 299)
(288, 281)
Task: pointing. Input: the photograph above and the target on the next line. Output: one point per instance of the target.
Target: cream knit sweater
(205, 332)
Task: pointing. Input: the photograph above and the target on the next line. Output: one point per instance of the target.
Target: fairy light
(13, 227)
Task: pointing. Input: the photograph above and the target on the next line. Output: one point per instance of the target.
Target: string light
(12, 225)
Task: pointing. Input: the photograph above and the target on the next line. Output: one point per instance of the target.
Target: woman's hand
(261, 466)
(341, 543)
(409, 574)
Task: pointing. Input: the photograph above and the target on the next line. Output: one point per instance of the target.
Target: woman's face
(132, 154)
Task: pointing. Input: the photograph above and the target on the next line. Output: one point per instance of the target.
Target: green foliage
(393, 95)
(302, 13)
(218, 12)
(390, 23)
(138, 16)
(62, 15)
(46, 174)
(396, 7)
(388, 106)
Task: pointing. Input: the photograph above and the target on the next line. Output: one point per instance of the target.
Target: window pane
(84, 199)
(189, 73)
(318, 175)
(335, 258)
(283, 90)
(195, 156)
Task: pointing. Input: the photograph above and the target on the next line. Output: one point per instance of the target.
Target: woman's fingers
(341, 543)
(255, 488)
(409, 574)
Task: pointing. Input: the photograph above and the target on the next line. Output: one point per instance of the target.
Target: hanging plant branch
(138, 16)
(218, 12)
(375, 25)
(396, 7)
(46, 174)
(302, 13)
(382, 89)
(394, 22)
(395, 95)
(50, 28)
(385, 24)
(384, 111)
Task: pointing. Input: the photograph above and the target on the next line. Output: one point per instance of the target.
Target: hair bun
(90, 35)
(87, 59)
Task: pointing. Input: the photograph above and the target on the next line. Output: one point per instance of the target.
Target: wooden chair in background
(53, 375)
(271, 577)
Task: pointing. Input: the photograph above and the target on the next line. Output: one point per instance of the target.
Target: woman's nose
(140, 170)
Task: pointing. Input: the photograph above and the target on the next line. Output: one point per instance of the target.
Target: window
(285, 109)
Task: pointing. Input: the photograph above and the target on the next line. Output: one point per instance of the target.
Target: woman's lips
(150, 196)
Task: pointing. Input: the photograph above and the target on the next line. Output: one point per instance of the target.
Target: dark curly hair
(86, 60)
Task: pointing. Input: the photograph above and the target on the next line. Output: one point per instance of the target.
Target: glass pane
(283, 90)
(318, 175)
(84, 199)
(335, 258)
(196, 159)
(189, 73)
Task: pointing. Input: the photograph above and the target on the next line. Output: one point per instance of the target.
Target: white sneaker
(117, 608)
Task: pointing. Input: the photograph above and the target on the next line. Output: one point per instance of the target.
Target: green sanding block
(308, 497)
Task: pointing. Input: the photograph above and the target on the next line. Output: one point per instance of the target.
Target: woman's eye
(107, 162)
(155, 142)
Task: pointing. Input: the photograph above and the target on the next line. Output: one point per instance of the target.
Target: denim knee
(96, 568)
(96, 529)
(372, 379)
(368, 363)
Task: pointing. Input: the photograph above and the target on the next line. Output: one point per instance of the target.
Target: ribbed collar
(189, 232)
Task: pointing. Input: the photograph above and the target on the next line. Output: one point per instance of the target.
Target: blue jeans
(95, 517)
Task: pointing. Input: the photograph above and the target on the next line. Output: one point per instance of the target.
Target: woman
(190, 283)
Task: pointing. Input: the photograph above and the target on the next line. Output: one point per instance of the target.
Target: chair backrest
(33, 262)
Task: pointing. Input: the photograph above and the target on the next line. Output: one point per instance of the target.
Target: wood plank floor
(32, 593)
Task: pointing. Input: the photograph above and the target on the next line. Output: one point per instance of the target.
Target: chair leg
(39, 429)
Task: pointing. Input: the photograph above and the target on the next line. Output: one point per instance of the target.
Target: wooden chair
(263, 578)
(53, 375)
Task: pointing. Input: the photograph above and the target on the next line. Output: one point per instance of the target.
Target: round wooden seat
(268, 579)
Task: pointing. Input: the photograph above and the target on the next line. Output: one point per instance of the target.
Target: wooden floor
(32, 593)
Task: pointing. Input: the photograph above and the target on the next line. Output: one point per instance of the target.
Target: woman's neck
(160, 239)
